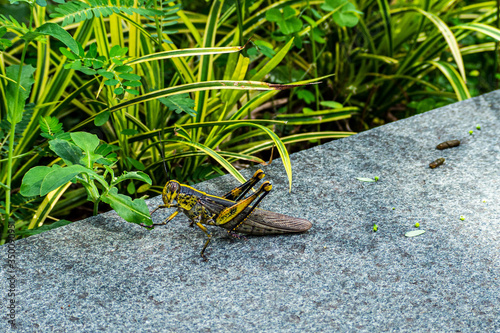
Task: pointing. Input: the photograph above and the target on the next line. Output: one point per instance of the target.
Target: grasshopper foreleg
(168, 219)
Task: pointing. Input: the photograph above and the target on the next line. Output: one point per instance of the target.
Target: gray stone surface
(103, 274)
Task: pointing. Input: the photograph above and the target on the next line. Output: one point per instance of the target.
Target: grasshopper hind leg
(239, 192)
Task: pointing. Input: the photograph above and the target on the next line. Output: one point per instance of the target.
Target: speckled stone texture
(103, 274)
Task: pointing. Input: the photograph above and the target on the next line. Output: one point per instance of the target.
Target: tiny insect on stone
(436, 163)
(448, 144)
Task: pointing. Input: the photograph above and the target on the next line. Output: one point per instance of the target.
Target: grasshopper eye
(173, 187)
(170, 191)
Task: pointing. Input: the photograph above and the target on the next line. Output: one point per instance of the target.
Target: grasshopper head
(170, 191)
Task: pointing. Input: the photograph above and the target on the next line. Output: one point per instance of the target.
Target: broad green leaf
(136, 164)
(286, 20)
(124, 69)
(131, 188)
(115, 51)
(289, 12)
(88, 142)
(344, 12)
(102, 118)
(132, 91)
(70, 153)
(274, 15)
(131, 83)
(45, 227)
(111, 82)
(104, 149)
(137, 175)
(306, 96)
(32, 180)
(130, 76)
(58, 33)
(414, 233)
(88, 71)
(106, 74)
(135, 211)
(15, 114)
(331, 104)
(61, 176)
(67, 54)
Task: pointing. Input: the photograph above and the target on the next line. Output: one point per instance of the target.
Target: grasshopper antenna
(162, 152)
(248, 41)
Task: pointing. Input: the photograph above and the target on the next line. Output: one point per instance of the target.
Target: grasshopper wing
(259, 222)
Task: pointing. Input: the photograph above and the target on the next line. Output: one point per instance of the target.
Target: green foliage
(77, 11)
(179, 103)
(154, 77)
(84, 155)
(113, 70)
(344, 12)
(4, 43)
(30, 232)
(288, 22)
(286, 19)
(51, 127)
(16, 98)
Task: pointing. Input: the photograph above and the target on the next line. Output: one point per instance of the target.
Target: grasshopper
(232, 211)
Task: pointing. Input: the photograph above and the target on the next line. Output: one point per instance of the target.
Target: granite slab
(104, 274)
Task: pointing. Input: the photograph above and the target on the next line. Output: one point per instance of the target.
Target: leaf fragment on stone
(414, 233)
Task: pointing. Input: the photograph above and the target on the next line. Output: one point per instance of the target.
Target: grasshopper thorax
(170, 191)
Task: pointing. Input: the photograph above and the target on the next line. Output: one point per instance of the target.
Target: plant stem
(12, 133)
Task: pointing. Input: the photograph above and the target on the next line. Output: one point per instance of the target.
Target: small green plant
(344, 12)
(84, 160)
